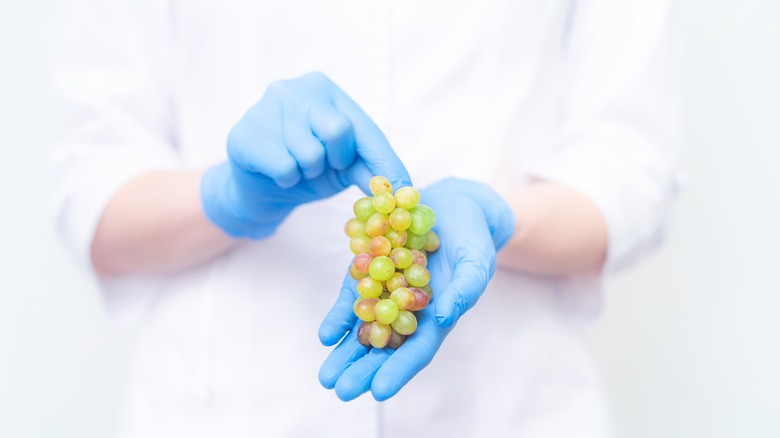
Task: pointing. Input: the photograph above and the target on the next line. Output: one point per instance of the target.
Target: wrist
(560, 231)
(224, 206)
(498, 214)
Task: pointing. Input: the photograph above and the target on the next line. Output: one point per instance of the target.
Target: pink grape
(377, 225)
(380, 246)
(421, 299)
(364, 308)
(363, 331)
(362, 262)
(396, 340)
(397, 238)
(405, 323)
(416, 275)
(403, 297)
(379, 334)
(396, 281)
(419, 258)
(380, 184)
(402, 257)
(432, 242)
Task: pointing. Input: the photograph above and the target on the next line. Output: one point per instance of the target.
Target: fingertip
(446, 314)
(359, 174)
(288, 178)
(347, 390)
(445, 321)
(326, 378)
(329, 335)
(401, 182)
(381, 390)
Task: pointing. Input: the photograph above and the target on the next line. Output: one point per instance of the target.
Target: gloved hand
(305, 140)
(473, 222)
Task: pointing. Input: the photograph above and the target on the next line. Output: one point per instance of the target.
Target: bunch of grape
(390, 236)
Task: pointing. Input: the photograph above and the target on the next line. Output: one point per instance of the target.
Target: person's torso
(459, 88)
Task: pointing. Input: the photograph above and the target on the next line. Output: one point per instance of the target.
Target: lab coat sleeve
(620, 121)
(114, 117)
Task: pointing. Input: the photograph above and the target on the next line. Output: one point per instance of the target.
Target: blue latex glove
(473, 223)
(305, 140)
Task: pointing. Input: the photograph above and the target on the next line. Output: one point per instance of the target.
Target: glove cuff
(221, 206)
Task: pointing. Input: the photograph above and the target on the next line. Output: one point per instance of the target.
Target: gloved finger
(371, 144)
(256, 144)
(414, 355)
(302, 145)
(472, 257)
(356, 379)
(345, 354)
(340, 318)
(499, 215)
(359, 174)
(334, 130)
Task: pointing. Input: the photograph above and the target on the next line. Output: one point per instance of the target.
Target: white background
(688, 343)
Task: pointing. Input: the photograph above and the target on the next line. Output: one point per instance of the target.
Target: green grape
(419, 258)
(354, 227)
(403, 297)
(364, 308)
(396, 281)
(405, 323)
(432, 241)
(428, 290)
(369, 288)
(407, 197)
(380, 184)
(364, 208)
(379, 334)
(401, 257)
(389, 236)
(355, 274)
(380, 246)
(397, 238)
(396, 340)
(400, 219)
(386, 311)
(414, 241)
(423, 219)
(421, 298)
(377, 225)
(384, 203)
(381, 268)
(362, 262)
(363, 331)
(359, 244)
(416, 275)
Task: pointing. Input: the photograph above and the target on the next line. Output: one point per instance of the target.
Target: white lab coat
(498, 91)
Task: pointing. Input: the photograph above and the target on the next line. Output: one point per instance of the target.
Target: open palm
(473, 222)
